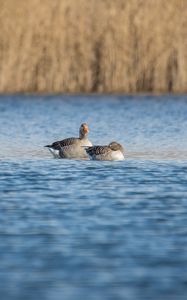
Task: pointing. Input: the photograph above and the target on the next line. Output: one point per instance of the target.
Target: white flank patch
(117, 155)
(54, 152)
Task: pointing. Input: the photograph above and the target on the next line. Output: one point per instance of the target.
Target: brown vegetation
(93, 46)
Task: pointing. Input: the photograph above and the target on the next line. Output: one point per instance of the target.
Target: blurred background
(67, 46)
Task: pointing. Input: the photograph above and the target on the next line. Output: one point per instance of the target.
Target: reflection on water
(99, 230)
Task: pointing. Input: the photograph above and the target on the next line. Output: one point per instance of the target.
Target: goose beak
(85, 128)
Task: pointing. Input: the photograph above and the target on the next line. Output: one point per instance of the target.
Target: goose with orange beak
(72, 147)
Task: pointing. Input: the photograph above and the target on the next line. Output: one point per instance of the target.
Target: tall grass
(93, 46)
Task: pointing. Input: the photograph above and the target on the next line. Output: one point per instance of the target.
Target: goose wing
(63, 143)
(97, 150)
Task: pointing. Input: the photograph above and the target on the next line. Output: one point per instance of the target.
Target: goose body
(72, 147)
(113, 151)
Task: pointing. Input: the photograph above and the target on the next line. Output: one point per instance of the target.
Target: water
(73, 229)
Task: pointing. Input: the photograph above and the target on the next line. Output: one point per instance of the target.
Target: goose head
(83, 131)
(115, 146)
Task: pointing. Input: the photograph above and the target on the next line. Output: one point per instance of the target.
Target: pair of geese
(81, 148)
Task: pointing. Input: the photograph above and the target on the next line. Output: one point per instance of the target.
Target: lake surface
(72, 229)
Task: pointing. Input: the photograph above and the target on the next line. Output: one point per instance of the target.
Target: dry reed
(77, 46)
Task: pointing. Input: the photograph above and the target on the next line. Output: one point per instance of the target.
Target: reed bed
(105, 46)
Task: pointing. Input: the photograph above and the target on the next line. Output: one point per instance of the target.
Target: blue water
(74, 230)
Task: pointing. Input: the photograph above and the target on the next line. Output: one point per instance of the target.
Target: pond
(81, 229)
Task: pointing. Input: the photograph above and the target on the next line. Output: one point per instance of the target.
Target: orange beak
(86, 130)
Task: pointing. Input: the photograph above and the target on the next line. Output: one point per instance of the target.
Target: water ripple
(97, 230)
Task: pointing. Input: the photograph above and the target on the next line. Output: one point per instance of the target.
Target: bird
(72, 147)
(113, 151)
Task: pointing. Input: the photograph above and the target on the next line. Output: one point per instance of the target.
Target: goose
(113, 151)
(72, 147)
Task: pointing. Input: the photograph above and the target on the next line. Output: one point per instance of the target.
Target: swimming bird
(114, 151)
(72, 147)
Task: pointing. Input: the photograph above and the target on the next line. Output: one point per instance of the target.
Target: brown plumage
(72, 147)
(113, 151)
